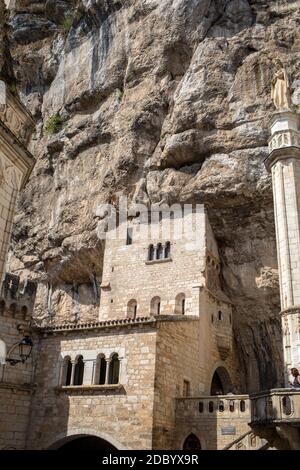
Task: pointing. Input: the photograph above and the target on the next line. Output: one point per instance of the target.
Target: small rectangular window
(129, 236)
(186, 388)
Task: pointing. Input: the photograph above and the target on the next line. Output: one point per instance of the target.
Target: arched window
(221, 383)
(151, 253)
(79, 371)
(155, 306)
(192, 443)
(2, 352)
(129, 236)
(100, 375)
(132, 308)
(180, 304)
(114, 369)
(220, 315)
(66, 371)
(167, 250)
(24, 311)
(286, 405)
(201, 406)
(159, 251)
(211, 406)
(13, 308)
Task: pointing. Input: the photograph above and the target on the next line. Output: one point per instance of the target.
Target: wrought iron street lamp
(24, 348)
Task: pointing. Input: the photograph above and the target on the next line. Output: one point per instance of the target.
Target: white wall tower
(284, 164)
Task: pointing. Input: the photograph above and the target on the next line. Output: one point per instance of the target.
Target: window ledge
(89, 388)
(155, 261)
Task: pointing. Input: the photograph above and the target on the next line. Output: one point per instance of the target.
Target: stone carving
(281, 88)
(12, 176)
(288, 138)
(17, 122)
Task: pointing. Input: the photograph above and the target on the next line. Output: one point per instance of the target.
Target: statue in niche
(281, 88)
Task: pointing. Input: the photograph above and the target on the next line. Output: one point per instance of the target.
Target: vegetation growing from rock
(66, 25)
(54, 124)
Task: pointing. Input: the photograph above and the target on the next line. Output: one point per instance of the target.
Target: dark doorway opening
(221, 383)
(192, 443)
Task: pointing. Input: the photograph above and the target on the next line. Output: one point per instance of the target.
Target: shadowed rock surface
(164, 101)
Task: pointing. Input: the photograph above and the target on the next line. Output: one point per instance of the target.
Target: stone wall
(122, 416)
(186, 351)
(14, 413)
(139, 412)
(16, 382)
(129, 275)
(216, 421)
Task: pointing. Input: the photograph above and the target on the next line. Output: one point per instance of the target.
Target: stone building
(16, 127)
(141, 354)
(16, 163)
(141, 358)
(161, 304)
(16, 379)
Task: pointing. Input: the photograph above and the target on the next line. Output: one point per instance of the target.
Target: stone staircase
(248, 441)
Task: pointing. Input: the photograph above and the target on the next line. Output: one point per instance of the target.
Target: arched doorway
(191, 443)
(221, 382)
(74, 443)
(74, 433)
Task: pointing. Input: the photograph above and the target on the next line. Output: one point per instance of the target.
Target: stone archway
(85, 442)
(221, 383)
(104, 442)
(192, 443)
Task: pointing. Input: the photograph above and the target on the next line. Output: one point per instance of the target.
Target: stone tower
(284, 163)
(16, 162)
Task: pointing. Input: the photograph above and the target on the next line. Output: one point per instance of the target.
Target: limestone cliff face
(164, 101)
(6, 68)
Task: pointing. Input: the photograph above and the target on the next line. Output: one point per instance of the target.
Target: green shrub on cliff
(54, 124)
(66, 25)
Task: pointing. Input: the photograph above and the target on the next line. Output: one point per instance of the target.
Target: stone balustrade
(216, 420)
(284, 138)
(276, 406)
(233, 406)
(248, 441)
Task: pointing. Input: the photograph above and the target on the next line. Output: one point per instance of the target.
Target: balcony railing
(276, 406)
(231, 406)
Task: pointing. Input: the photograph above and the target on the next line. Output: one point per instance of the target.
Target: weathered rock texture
(6, 70)
(163, 100)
